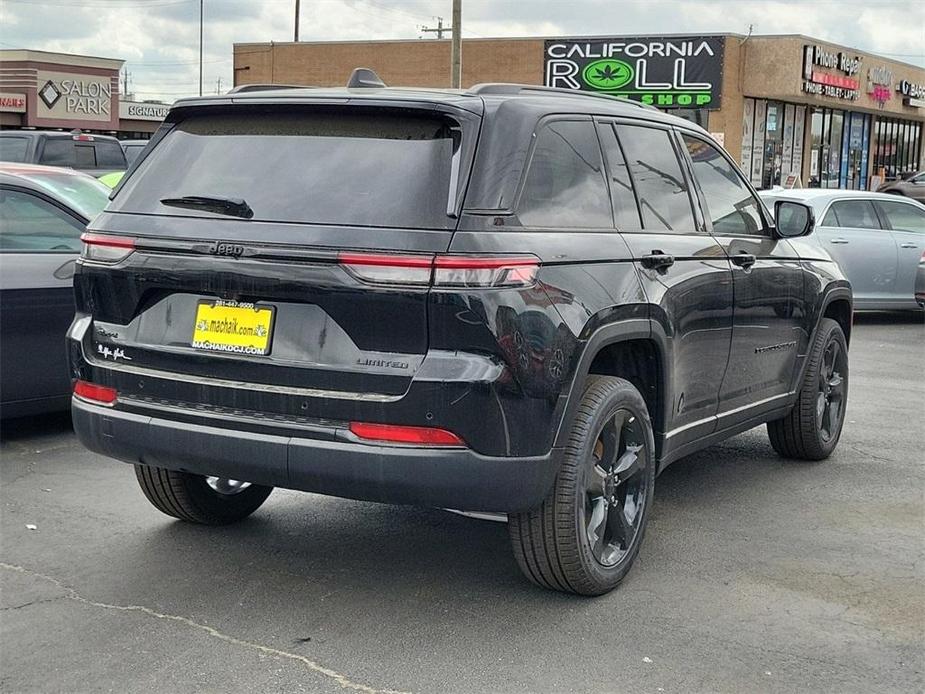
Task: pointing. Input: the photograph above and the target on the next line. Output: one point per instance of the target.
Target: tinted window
(904, 217)
(730, 204)
(565, 184)
(626, 212)
(85, 156)
(323, 167)
(58, 152)
(13, 148)
(662, 191)
(858, 214)
(131, 152)
(109, 155)
(28, 223)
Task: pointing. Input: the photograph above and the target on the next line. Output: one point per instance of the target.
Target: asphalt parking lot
(758, 574)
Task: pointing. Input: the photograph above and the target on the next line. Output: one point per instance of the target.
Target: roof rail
(505, 88)
(265, 87)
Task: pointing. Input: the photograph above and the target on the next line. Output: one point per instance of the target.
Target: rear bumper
(332, 464)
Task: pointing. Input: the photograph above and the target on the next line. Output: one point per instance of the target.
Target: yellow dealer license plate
(236, 328)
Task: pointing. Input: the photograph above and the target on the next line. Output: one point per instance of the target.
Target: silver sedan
(876, 238)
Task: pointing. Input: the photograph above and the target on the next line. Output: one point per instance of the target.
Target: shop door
(854, 165)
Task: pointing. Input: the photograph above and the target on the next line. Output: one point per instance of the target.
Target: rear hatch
(243, 248)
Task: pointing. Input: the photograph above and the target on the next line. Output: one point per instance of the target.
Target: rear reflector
(94, 392)
(391, 433)
(442, 270)
(104, 248)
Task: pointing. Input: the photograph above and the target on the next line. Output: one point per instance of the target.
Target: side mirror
(793, 219)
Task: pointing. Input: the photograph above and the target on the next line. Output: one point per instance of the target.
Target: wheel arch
(634, 349)
(837, 305)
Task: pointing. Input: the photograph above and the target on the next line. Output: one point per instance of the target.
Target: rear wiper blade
(236, 207)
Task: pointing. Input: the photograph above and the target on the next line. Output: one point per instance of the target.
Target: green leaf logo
(607, 74)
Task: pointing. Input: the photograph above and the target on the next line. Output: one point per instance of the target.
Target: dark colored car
(912, 187)
(507, 299)
(132, 149)
(43, 211)
(94, 154)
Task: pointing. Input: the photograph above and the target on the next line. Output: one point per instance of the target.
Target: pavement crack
(71, 594)
(33, 602)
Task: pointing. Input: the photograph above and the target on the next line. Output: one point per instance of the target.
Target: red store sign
(15, 103)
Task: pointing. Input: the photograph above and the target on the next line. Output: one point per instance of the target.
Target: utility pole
(218, 86)
(456, 46)
(296, 32)
(126, 76)
(438, 30)
(200, 47)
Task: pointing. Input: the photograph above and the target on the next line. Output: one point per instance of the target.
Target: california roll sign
(667, 72)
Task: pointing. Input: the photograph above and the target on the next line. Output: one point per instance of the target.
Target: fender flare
(605, 336)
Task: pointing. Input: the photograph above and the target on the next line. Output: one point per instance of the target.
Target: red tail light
(96, 393)
(391, 433)
(104, 248)
(442, 270)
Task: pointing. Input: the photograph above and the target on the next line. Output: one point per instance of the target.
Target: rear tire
(191, 498)
(586, 534)
(812, 428)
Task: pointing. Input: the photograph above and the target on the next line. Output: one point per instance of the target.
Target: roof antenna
(364, 78)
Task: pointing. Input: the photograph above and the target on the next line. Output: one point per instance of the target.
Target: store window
(838, 153)
(896, 148)
(772, 143)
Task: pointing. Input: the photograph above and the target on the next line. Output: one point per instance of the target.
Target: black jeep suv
(507, 299)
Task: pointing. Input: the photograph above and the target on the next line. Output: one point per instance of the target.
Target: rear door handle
(907, 245)
(839, 241)
(657, 260)
(743, 259)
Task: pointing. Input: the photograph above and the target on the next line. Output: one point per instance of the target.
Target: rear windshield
(370, 169)
(13, 148)
(83, 154)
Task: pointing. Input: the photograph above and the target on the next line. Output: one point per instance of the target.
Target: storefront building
(792, 110)
(44, 91)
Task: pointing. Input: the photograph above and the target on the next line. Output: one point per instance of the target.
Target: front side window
(565, 184)
(903, 216)
(730, 204)
(660, 185)
(856, 214)
(28, 223)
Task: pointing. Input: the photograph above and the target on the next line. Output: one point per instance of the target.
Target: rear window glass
(85, 156)
(58, 152)
(315, 167)
(109, 155)
(13, 148)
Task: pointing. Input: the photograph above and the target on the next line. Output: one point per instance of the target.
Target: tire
(812, 428)
(608, 468)
(194, 499)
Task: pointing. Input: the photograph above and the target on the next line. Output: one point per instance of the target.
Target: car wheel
(812, 428)
(200, 499)
(586, 534)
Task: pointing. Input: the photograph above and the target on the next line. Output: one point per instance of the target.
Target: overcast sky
(159, 39)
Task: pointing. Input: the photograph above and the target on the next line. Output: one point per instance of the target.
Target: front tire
(199, 499)
(812, 428)
(586, 534)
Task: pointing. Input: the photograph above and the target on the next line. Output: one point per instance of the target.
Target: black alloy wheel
(615, 488)
(831, 395)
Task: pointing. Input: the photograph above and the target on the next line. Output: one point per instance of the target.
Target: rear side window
(109, 155)
(13, 148)
(565, 184)
(857, 214)
(58, 152)
(660, 185)
(625, 210)
(28, 223)
(374, 169)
